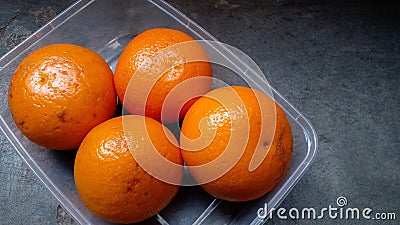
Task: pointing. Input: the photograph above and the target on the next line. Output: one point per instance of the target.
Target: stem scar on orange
(59, 93)
(237, 143)
(153, 64)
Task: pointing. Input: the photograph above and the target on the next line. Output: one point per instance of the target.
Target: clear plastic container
(106, 27)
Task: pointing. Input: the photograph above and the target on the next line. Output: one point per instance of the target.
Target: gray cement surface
(338, 62)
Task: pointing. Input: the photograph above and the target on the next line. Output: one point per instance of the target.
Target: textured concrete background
(338, 62)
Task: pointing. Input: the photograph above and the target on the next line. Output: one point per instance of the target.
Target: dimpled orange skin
(141, 48)
(109, 180)
(239, 184)
(59, 92)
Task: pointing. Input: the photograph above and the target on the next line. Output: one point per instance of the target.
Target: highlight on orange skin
(59, 92)
(224, 131)
(110, 181)
(153, 64)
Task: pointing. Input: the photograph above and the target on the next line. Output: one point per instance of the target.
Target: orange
(59, 92)
(109, 180)
(152, 65)
(222, 132)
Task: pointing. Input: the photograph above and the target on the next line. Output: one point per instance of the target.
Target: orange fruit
(237, 143)
(155, 64)
(110, 181)
(59, 92)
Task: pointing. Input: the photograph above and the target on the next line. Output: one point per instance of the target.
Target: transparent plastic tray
(106, 27)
